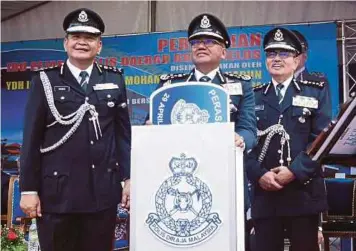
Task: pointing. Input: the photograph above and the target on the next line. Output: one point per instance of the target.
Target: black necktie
(83, 81)
(205, 79)
(279, 92)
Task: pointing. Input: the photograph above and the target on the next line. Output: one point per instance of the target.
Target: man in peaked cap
(76, 144)
(288, 189)
(209, 40)
(302, 72)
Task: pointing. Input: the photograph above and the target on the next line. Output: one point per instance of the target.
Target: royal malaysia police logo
(183, 203)
(278, 36)
(189, 103)
(183, 113)
(205, 22)
(83, 17)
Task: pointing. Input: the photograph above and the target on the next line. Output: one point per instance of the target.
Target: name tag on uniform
(61, 88)
(259, 107)
(105, 86)
(303, 101)
(233, 88)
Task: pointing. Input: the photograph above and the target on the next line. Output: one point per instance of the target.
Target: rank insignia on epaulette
(164, 77)
(111, 68)
(318, 74)
(237, 76)
(172, 76)
(48, 68)
(258, 87)
(313, 83)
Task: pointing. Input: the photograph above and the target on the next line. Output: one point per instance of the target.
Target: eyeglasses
(206, 42)
(281, 54)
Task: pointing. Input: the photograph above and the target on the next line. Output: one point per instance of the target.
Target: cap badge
(205, 23)
(83, 17)
(278, 36)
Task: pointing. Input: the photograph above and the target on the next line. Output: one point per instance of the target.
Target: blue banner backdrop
(145, 57)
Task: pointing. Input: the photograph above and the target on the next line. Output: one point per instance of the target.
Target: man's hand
(320, 237)
(284, 175)
(148, 122)
(30, 205)
(125, 201)
(268, 182)
(239, 141)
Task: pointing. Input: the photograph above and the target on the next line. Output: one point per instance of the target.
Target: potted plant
(12, 239)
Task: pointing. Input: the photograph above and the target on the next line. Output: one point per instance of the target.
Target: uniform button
(93, 166)
(108, 96)
(109, 170)
(55, 173)
(91, 142)
(62, 98)
(87, 98)
(117, 163)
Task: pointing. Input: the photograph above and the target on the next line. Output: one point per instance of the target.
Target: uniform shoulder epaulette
(237, 76)
(258, 87)
(112, 69)
(48, 68)
(318, 84)
(165, 77)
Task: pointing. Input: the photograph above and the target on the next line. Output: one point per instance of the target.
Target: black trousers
(77, 232)
(302, 232)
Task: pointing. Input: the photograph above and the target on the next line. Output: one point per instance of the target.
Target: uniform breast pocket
(301, 118)
(66, 102)
(108, 100)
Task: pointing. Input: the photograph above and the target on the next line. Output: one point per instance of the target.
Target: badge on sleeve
(303, 101)
(233, 88)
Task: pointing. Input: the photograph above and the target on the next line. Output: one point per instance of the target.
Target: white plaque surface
(185, 191)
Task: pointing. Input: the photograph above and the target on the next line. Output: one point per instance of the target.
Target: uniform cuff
(29, 193)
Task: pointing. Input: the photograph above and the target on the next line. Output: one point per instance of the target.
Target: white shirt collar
(285, 84)
(76, 71)
(198, 74)
(297, 73)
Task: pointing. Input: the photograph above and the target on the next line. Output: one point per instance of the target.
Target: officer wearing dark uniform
(76, 144)
(207, 35)
(302, 72)
(209, 40)
(288, 190)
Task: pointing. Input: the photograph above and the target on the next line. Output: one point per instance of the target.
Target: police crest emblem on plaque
(183, 202)
(188, 113)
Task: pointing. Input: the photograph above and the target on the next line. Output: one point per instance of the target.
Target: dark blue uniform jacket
(83, 174)
(306, 194)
